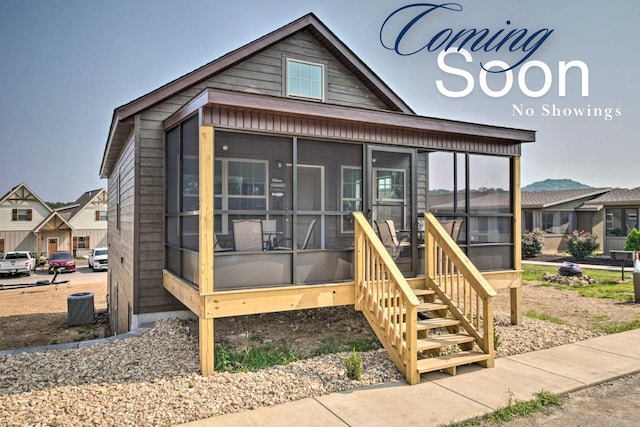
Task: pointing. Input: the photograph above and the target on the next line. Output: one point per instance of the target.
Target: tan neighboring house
(560, 212)
(27, 223)
(22, 214)
(87, 217)
(613, 215)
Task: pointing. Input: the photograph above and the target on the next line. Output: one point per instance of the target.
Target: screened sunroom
(283, 201)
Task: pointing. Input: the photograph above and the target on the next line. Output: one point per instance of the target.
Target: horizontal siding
(87, 218)
(263, 73)
(38, 214)
(120, 241)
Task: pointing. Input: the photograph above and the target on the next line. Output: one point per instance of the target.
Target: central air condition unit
(80, 309)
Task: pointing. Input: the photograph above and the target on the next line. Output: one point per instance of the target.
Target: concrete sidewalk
(440, 398)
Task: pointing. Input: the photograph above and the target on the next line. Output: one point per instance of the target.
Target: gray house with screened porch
(254, 184)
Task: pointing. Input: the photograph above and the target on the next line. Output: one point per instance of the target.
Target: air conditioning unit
(80, 309)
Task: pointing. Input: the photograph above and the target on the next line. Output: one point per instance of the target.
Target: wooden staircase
(436, 327)
(441, 340)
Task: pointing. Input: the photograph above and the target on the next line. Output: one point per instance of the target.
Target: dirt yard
(37, 316)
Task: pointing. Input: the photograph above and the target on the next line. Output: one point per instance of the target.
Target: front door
(52, 245)
(391, 196)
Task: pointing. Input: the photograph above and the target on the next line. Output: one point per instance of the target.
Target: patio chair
(386, 231)
(452, 227)
(307, 238)
(221, 245)
(455, 232)
(269, 234)
(247, 235)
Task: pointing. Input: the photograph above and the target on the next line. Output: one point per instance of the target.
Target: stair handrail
(437, 237)
(385, 298)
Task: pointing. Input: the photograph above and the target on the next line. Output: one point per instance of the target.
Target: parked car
(62, 261)
(98, 259)
(17, 262)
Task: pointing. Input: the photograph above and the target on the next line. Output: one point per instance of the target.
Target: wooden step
(429, 306)
(437, 322)
(439, 341)
(422, 292)
(451, 360)
(417, 292)
(432, 306)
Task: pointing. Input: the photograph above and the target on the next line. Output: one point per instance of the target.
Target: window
(182, 201)
(351, 195)
(620, 221)
(528, 220)
(21, 214)
(558, 222)
(240, 185)
(81, 242)
(476, 190)
(101, 215)
(389, 196)
(305, 79)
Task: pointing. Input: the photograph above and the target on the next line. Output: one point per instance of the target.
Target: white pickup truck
(17, 262)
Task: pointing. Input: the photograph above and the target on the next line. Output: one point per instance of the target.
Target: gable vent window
(305, 80)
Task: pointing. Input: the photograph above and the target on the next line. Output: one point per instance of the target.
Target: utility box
(636, 286)
(80, 309)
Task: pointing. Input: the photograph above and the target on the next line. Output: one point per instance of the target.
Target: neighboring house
(87, 217)
(28, 223)
(613, 215)
(557, 213)
(21, 212)
(293, 129)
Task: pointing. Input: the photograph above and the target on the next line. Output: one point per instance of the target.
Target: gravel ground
(153, 379)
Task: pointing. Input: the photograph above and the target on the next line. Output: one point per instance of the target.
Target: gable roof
(55, 224)
(23, 186)
(546, 199)
(616, 197)
(70, 211)
(308, 22)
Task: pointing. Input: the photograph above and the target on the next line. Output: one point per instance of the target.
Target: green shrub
(353, 363)
(633, 240)
(581, 244)
(532, 242)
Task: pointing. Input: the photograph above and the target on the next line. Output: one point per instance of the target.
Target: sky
(65, 65)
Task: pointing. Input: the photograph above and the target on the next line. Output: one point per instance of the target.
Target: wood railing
(385, 298)
(458, 283)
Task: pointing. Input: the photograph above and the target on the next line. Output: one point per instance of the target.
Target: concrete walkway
(440, 398)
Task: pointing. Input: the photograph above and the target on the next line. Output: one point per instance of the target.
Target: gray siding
(261, 73)
(121, 241)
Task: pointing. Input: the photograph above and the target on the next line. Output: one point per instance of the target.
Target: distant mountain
(554, 184)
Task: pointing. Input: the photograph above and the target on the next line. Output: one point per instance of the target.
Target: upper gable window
(305, 79)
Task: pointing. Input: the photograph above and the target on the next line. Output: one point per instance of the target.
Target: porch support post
(358, 263)
(516, 292)
(38, 238)
(206, 154)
